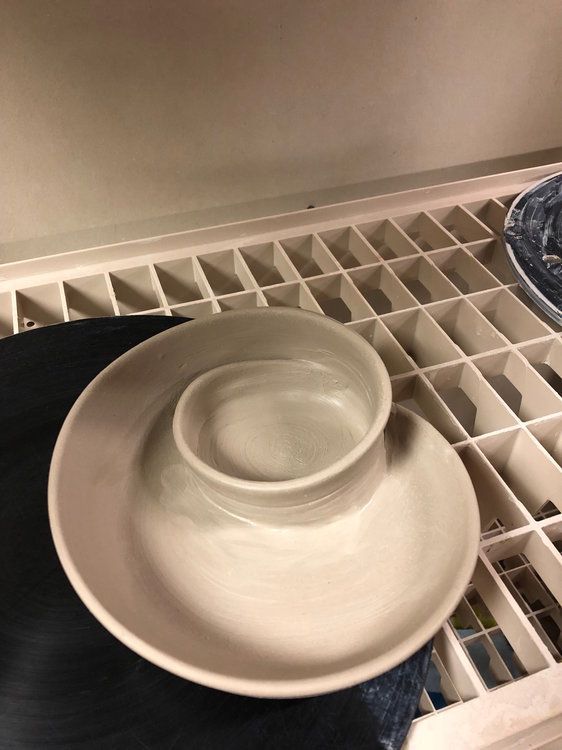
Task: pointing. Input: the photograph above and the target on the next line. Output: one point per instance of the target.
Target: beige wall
(116, 111)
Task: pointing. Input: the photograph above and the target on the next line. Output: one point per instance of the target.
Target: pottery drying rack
(422, 275)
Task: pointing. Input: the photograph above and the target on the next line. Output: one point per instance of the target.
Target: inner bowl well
(293, 415)
(272, 420)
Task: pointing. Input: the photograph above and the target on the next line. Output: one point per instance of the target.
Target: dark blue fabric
(394, 696)
(65, 682)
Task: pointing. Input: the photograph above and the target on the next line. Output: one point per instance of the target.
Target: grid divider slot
(461, 224)
(158, 288)
(181, 281)
(532, 475)
(382, 290)
(507, 200)
(500, 510)
(533, 597)
(339, 299)
(425, 231)
(519, 386)
(158, 311)
(309, 255)
(547, 564)
(546, 358)
(489, 212)
(423, 280)
(377, 334)
(292, 295)
(466, 326)
(134, 290)
(471, 616)
(388, 239)
(506, 313)
(523, 639)
(492, 256)
(534, 554)
(414, 393)
(421, 338)
(87, 297)
(459, 667)
(549, 626)
(425, 707)
(524, 298)
(349, 247)
(529, 569)
(196, 309)
(268, 264)
(225, 272)
(240, 301)
(39, 306)
(548, 432)
(65, 313)
(439, 686)
(463, 270)
(111, 293)
(6, 315)
(473, 402)
(203, 282)
(490, 666)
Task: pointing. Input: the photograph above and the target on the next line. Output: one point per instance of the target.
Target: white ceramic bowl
(232, 500)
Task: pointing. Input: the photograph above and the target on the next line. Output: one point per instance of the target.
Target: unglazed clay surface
(283, 575)
(273, 420)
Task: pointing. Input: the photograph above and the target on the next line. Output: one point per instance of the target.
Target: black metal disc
(65, 682)
(533, 238)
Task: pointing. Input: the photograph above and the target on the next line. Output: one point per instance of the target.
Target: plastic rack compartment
(527, 469)
(268, 264)
(519, 386)
(39, 306)
(89, 297)
(6, 315)
(423, 277)
(466, 326)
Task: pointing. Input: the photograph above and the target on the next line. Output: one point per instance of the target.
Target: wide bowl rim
(276, 688)
(251, 686)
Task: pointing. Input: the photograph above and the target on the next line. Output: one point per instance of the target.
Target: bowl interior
(274, 420)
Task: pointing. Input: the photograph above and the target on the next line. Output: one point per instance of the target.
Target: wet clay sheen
(237, 500)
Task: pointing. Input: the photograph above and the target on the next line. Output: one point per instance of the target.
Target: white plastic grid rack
(422, 275)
